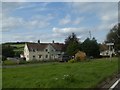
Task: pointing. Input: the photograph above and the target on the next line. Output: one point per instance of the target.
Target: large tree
(72, 44)
(114, 36)
(91, 47)
(7, 51)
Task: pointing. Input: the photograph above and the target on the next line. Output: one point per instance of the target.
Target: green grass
(0, 77)
(59, 75)
(19, 47)
(9, 62)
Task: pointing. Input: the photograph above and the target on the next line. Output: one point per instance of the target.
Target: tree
(91, 47)
(114, 37)
(71, 44)
(7, 51)
(72, 48)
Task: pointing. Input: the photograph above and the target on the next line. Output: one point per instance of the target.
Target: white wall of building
(26, 52)
(49, 53)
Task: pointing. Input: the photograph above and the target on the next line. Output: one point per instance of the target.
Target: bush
(23, 62)
(17, 53)
(34, 61)
(4, 58)
(9, 62)
(80, 56)
(72, 61)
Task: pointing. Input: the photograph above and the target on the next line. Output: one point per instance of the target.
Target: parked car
(65, 58)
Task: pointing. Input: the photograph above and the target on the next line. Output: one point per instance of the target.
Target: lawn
(59, 75)
(19, 47)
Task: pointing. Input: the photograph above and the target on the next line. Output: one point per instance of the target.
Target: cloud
(104, 17)
(39, 21)
(9, 23)
(65, 20)
(78, 20)
(107, 13)
(60, 0)
(14, 0)
(69, 20)
(109, 17)
(67, 31)
(36, 22)
(62, 33)
(8, 7)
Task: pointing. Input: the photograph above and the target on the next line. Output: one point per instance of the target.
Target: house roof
(58, 46)
(42, 46)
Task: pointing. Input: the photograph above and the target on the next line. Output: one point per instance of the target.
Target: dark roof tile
(42, 46)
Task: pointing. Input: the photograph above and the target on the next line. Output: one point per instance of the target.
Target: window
(33, 50)
(33, 56)
(46, 50)
(40, 56)
(46, 56)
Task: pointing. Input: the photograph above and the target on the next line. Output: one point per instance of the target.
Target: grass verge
(60, 75)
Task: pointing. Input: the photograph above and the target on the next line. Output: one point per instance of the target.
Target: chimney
(38, 41)
(53, 41)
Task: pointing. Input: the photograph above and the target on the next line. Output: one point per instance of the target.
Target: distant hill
(15, 43)
(18, 47)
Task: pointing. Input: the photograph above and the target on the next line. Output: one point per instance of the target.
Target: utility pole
(90, 34)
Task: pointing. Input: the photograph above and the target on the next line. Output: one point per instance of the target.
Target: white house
(107, 53)
(43, 51)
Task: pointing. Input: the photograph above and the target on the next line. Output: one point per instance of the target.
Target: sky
(48, 21)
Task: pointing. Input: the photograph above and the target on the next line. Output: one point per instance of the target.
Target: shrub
(72, 61)
(80, 56)
(9, 62)
(4, 58)
(23, 62)
(33, 61)
(17, 53)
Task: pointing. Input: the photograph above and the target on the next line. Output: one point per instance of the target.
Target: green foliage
(41, 61)
(7, 51)
(114, 36)
(18, 47)
(12, 49)
(72, 61)
(9, 62)
(91, 47)
(69, 78)
(72, 48)
(23, 62)
(65, 75)
(4, 58)
(71, 44)
(17, 53)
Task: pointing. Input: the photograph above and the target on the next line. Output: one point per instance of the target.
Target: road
(116, 85)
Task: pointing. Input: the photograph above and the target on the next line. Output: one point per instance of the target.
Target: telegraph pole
(90, 34)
